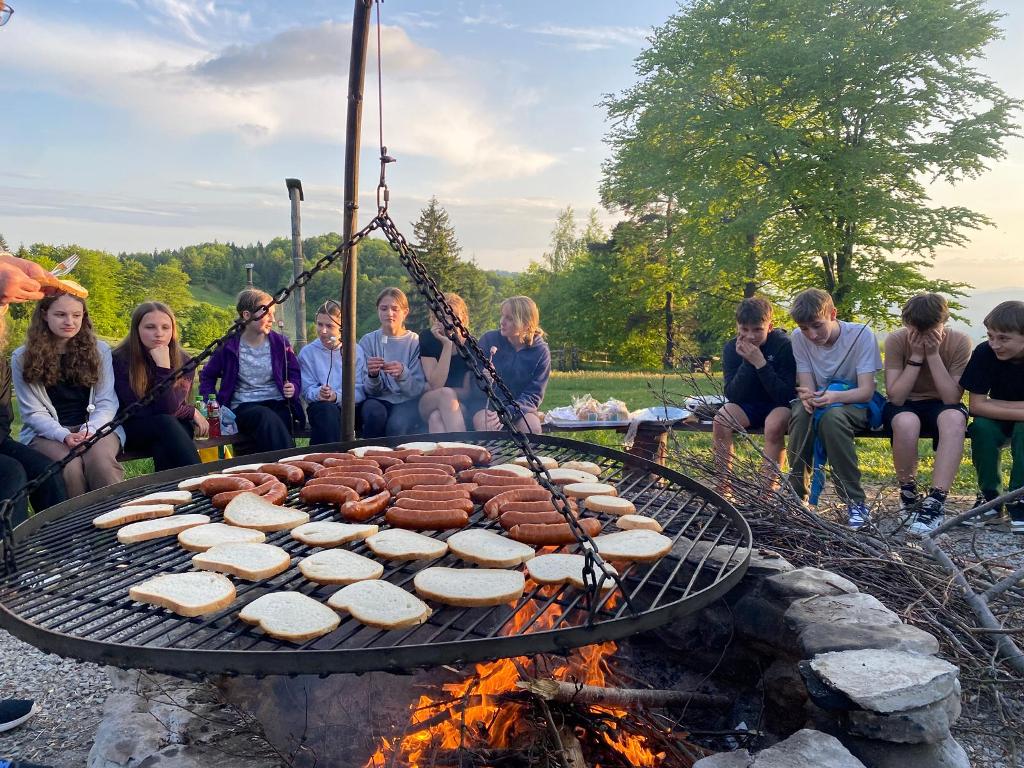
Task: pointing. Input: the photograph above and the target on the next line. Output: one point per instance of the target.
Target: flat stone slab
(924, 725)
(884, 754)
(823, 638)
(887, 681)
(807, 749)
(807, 582)
(738, 759)
(764, 562)
(838, 610)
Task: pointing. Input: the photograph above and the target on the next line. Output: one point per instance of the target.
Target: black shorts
(757, 412)
(926, 410)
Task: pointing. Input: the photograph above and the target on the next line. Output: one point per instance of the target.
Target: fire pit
(70, 592)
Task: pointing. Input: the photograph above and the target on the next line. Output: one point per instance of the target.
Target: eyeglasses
(5, 13)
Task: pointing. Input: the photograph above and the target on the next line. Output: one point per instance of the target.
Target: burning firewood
(577, 693)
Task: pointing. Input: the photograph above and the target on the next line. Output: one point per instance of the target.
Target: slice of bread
(339, 566)
(469, 587)
(202, 537)
(380, 604)
(248, 510)
(290, 616)
(296, 457)
(399, 544)
(193, 483)
(546, 461)
(611, 505)
(564, 476)
(242, 468)
(489, 549)
(252, 562)
(561, 568)
(157, 529)
(187, 594)
(583, 490)
(583, 466)
(125, 515)
(423, 445)
(365, 449)
(638, 545)
(326, 533)
(632, 522)
(174, 498)
(515, 469)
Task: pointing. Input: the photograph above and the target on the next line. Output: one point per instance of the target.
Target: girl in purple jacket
(259, 379)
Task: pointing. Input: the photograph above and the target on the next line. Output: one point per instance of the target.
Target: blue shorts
(758, 412)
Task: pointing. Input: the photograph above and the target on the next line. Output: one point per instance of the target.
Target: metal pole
(248, 275)
(356, 76)
(295, 193)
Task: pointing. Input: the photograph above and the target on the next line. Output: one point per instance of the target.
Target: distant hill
(979, 304)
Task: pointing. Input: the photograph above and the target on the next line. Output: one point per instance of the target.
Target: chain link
(9, 565)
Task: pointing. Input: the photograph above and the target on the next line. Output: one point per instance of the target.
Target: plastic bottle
(201, 406)
(213, 416)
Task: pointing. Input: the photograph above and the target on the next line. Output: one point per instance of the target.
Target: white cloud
(594, 38)
(190, 16)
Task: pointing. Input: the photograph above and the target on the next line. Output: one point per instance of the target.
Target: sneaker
(14, 712)
(1016, 510)
(908, 505)
(991, 517)
(859, 516)
(928, 517)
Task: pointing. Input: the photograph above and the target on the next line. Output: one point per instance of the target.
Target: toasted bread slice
(584, 466)
(157, 529)
(326, 533)
(63, 285)
(252, 562)
(339, 566)
(380, 604)
(489, 549)
(632, 522)
(611, 505)
(423, 445)
(125, 515)
(399, 544)
(290, 616)
(187, 594)
(637, 545)
(174, 498)
(583, 490)
(469, 587)
(242, 468)
(515, 469)
(561, 568)
(546, 461)
(202, 537)
(193, 483)
(564, 476)
(248, 510)
(365, 449)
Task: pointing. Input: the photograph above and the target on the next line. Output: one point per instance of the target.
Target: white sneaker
(928, 517)
(858, 516)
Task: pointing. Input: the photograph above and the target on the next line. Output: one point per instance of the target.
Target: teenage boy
(836, 362)
(760, 376)
(994, 379)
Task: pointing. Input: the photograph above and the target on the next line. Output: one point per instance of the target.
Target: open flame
(471, 712)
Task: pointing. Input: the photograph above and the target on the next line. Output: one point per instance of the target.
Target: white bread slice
(489, 549)
(515, 469)
(632, 522)
(242, 468)
(339, 566)
(157, 529)
(612, 505)
(327, 533)
(638, 545)
(469, 587)
(561, 568)
(187, 594)
(193, 483)
(380, 604)
(125, 515)
(446, 444)
(174, 498)
(546, 461)
(290, 616)
(564, 476)
(251, 562)
(362, 450)
(583, 490)
(248, 510)
(424, 445)
(583, 466)
(296, 457)
(202, 537)
(399, 544)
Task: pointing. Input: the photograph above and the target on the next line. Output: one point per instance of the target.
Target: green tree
(132, 282)
(793, 140)
(169, 284)
(200, 323)
(438, 249)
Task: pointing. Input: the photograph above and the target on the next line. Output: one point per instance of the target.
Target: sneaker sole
(10, 725)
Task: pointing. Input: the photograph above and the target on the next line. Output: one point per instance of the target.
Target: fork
(65, 266)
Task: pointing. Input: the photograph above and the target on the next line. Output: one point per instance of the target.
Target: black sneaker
(992, 516)
(14, 712)
(1016, 510)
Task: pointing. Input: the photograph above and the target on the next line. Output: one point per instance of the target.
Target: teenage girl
(321, 376)
(394, 376)
(64, 381)
(163, 429)
(523, 361)
(259, 378)
(448, 379)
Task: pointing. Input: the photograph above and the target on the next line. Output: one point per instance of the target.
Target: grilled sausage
(328, 471)
(490, 478)
(461, 461)
(325, 493)
(531, 506)
(309, 468)
(469, 475)
(363, 509)
(259, 478)
(404, 453)
(418, 493)
(419, 469)
(318, 458)
(479, 455)
(221, 499)
(214, 485)
(551, 535)
(511, 519)
(366, 465)
(357, 484)
(421, 520)
(467, 487)
(405, 482)
(375, 479)
(284, 472)
(485, 493)
(493, 506)
(277, 494)
(383, 460)
(429, 505)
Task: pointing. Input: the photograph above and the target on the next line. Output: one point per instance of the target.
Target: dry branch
(624, 698)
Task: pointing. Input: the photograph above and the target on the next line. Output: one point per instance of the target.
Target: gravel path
(70, 696)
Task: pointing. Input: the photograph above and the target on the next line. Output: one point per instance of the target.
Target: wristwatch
(915, 363)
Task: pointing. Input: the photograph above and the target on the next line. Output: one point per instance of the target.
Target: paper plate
(659, 413)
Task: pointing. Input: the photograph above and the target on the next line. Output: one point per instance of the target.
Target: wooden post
(670, 351)
(294, 187)
(356, 76)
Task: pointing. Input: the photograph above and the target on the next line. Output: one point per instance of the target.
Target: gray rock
(923, 725)
(807, 749)
(887, 681)
(764, 620)
(126, 739)
(834, 610)
(716, 555)
(883, 754)
(764, 563)
(738, 759)
(823, 638)
(786, 694)
(807, 582)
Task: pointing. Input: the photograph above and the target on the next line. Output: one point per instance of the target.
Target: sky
(130, 125)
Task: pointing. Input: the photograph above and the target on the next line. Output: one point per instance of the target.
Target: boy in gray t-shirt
(836, 364)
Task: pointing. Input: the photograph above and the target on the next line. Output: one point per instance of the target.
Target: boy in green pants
(994, 379)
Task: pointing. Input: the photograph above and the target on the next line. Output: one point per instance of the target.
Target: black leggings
(167, 439)
(266, 426)
(18, 465)
(382, 417)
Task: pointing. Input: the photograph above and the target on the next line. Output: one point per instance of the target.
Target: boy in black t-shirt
(760, 381)
(995, 380)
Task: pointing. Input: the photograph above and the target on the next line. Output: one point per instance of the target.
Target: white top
(833, 364)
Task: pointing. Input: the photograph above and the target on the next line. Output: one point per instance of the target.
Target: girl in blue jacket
(523, 361)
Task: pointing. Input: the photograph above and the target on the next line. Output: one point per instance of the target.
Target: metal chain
(9, 565)
(595, 571)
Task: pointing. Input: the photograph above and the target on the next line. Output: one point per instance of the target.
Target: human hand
(75, 439)
(374, 366)
(916, 341)
(491, 420)
(16, 285)
(932, 339)
(806, 395)
(288, 390)
(202, 425)
(825, 399)
(751, 353)
(327, 394)
(394, 368)
(161, 356)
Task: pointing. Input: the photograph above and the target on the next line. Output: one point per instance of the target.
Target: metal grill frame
(110, 568)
